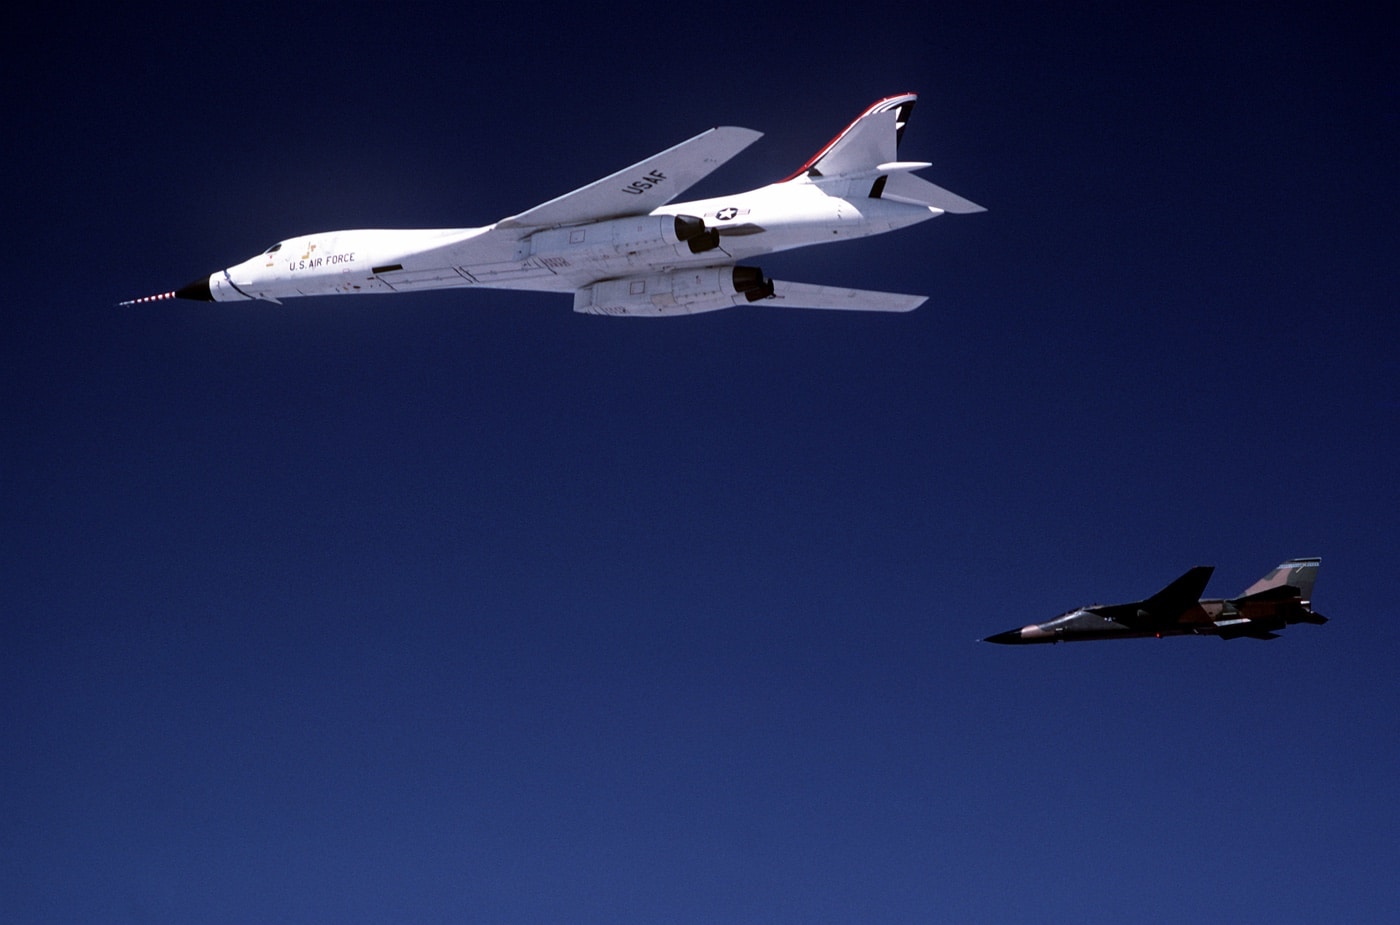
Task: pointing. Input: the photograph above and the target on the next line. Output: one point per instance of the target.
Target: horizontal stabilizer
(805, 295)
(642, 187)
(1246, 628)
(903, 186)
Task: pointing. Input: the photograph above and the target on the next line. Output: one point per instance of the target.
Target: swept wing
(638, 189)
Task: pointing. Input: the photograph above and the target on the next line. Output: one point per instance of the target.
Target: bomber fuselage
(778, 217)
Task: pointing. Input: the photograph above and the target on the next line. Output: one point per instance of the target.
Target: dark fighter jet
(1280, 598)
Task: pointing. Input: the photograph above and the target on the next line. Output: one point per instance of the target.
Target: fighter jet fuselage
(621, 246)
(1281, 598)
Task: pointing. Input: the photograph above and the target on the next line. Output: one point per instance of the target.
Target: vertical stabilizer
(1295, 573)
(871, 140)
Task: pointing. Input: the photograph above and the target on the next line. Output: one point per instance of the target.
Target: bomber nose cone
(1010, 637)
(197, 291)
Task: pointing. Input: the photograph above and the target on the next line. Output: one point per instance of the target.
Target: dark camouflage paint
(1279, 599)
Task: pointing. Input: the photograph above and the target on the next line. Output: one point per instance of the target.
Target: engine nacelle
(680, 292)
(623, 237)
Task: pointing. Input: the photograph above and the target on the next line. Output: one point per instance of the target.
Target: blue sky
(459, 606)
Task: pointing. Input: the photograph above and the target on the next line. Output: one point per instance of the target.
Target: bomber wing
(806, 295)
(707, 289)
(638, 189)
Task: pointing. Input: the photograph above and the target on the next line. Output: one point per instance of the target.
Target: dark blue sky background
(459, 607)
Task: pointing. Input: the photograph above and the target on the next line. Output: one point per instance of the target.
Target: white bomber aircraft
(622, 247)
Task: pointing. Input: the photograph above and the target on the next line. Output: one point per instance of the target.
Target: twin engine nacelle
(621, 237)
(680, 292)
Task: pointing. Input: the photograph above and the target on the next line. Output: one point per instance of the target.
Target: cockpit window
(274, 248)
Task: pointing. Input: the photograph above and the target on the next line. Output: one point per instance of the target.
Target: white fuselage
(795, 213)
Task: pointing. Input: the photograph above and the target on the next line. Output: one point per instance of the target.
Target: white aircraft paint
(622, 247)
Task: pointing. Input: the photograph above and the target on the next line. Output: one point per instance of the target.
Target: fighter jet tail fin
(1280, 598)
(1295, 575)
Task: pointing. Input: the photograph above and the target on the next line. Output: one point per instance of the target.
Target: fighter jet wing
(642, 187)
(1163, 608)
(1182, 594)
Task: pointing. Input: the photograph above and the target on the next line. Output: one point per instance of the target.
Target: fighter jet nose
(1010, 637)
(197, 291)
